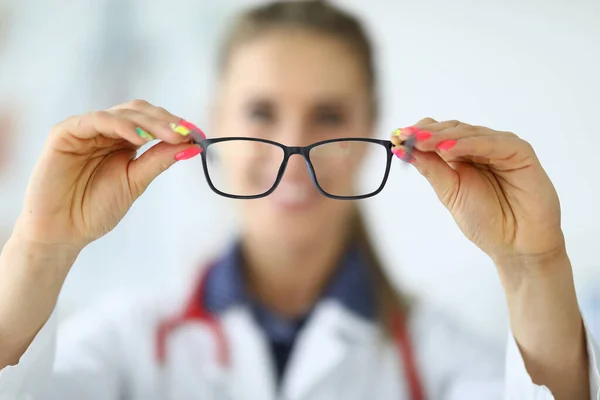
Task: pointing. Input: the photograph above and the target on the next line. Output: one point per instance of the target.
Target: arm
(547, 325)
(89, 359)
(86, 365)
(29, 292)
(31, 276)
(85, 181)
(503, 201)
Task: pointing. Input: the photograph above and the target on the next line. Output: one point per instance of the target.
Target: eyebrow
(259, 101)
(331, 103)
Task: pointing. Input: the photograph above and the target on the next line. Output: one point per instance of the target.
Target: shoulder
(119, 321)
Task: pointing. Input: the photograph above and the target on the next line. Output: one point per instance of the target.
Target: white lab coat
(108, 353)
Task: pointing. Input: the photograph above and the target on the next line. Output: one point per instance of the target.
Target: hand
(87, 177)
(494, 186)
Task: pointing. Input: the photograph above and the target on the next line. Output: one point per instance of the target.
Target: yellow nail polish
(182, 130)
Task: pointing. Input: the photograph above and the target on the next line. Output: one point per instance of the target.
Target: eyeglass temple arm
(197, 136)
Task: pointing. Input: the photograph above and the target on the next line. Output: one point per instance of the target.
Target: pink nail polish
(422, 135)
(398, 153)
(446, 144)
(187, 154)
(191, 126)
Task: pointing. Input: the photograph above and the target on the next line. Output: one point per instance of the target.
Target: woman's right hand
(87, 177)
(83, 184)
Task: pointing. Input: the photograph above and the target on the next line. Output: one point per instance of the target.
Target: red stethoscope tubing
(195, 310)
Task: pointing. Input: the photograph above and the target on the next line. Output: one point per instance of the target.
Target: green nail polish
(143, 134)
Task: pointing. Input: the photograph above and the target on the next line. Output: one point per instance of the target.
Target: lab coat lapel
(321, 347)
(192, 365)
(251, 374)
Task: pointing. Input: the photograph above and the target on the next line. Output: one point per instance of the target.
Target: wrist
(533, 266)
(44, 255)
(47, 238)
(542, 303)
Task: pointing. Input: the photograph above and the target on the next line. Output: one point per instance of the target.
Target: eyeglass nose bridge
(296, 150)
(301, 151)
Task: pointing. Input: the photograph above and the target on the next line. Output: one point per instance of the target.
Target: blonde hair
(321, 17)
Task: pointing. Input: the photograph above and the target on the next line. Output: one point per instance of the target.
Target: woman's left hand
(503, 201)
(493, 184)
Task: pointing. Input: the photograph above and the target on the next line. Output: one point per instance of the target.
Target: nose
(296, 169)
(294, 131)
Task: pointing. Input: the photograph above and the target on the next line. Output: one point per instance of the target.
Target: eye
(261, 112)
(330, 118)
(329, 115)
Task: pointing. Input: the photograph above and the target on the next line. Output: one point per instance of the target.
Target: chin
(299, 238)
(295, 226)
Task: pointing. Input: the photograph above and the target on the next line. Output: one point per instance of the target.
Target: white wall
(528, 66)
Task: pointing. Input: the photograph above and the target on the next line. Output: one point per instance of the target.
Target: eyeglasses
(255, 166)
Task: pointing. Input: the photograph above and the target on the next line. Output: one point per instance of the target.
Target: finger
(148, 108)
(402, 153)
(441, 176)
(499, 151)
(156, 160)
(177, 124)
(402, 148)
(418, 130)
(154, 128)
(103, 123)
(425, 122)
(429, 125)
(132, 126)
(443, 135)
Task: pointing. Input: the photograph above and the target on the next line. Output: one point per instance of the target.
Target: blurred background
(528, 66)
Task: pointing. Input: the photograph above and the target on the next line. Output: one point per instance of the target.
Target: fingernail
(143, 134)
(419, 134)
(191, 126)
(403, 155)
(187, 154)
(178, 128)
(400, 153)
(184, 128)
(404, 132)
(422, 135)
(446, 144)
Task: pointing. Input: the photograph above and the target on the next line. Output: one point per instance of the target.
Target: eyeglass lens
(250, 168)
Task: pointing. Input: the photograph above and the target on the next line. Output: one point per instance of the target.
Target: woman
(301, 287)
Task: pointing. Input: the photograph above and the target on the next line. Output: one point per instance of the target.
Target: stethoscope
(195, 311)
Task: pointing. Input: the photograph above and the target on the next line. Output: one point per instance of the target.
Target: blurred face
(295, 88)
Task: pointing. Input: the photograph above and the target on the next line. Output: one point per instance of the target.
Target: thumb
(440, 175)
(156, 160)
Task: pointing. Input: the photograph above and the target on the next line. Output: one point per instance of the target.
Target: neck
(288, 278)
